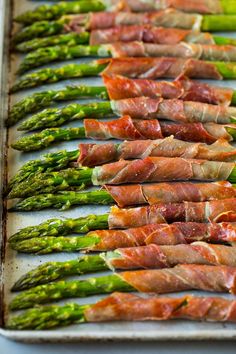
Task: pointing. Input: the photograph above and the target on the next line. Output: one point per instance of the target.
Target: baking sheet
(14, 265)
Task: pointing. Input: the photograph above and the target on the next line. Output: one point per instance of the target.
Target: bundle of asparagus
(47, 55)
(123, 307)
(119, 87)
(157, 281)
(131, 67)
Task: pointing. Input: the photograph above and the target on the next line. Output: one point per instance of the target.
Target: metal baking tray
(13, 265)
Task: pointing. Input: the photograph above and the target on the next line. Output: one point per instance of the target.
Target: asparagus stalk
(51, 271)
(56, 227)
(63, 200)
(49, 12)
(94, 68)
(76, 178)
(62, 52)
(43, 99)
(71, 39)
(47, 137)
(50, 162)
(76, 288)
(46, 317)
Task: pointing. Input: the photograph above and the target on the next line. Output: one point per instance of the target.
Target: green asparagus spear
(54, 117)
(69, 39)
(51, 271)
(63, 200)
(50, 162)
(75, 288)
(58, 227)
(43, 99)
(46, 317)
(47, 137)
(50, 12)
(94, 68)
(76, 178)
(62, 52)
(49, 244)
(50, 75)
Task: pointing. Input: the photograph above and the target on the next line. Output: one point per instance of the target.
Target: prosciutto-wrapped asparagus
(137, 108)
(98, 154)
(156, 281)
(119, 87)
(143, 68)
(212, 52)
(145, 257)
(127, 307)
(108, 240)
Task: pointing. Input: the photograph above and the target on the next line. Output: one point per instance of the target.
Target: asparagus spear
(63, 180)
(71, 39)
(63, 200)
(77, 178)
(62, 52)
(94, 68)
(50, 162)
(46, 317)
(43, 99)
(51, 271)
(49, 12)
(47, 137)
(76, 288)
(56, 227)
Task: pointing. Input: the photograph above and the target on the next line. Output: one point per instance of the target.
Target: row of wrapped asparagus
(136, 238)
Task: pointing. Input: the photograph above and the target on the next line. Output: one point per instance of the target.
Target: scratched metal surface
(17, 264)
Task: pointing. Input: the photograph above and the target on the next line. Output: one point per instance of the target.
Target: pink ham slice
(210, 211)
(164, 234)
(98, 154)
(129, 307)
(120, 87)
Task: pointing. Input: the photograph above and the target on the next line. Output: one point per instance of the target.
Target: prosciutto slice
(213, 211)
(200, 6)
(175, 110)
(164, 18)
(98, 154)
(126, 128)
(120, 87)
(212, 52)
(154, 68)
(183, 277)
(129, 307)
(157, 169)
(128, 195)
(148, 34)
(164, 234)
(154, 256)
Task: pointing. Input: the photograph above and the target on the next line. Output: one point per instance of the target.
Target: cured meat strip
(154, 68)
(128, 195)
(183, 277)
(165, 18)
(127, 129)
(119, 87)
(175, 110)
(164, 234)
(213, 211)
(157, 169)
(200, 6)
(148, 34)
(182, 50)
(129, 307)
(98, 154)
(154, 256)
